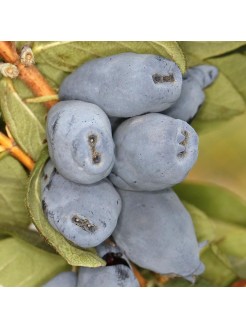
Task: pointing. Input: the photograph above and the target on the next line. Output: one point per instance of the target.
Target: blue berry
(153, 152)
(192, 95)
(86, 215)
(80, 141)
(156, 232)
(126, 84)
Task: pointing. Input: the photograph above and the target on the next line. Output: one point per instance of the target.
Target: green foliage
(30, 236)
(22, 264)
(196, 52)
(217, 202)
(225, 98)
(226, 240)
(23, 124)
(13, 179)
(73, 255)
(66, 56)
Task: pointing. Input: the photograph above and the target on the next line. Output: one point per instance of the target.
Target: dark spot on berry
(96, 158)
(158, 78)
(84, 223)
(122, 273)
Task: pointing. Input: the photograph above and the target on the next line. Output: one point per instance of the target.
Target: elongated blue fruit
(192, 95)
(86, 215)
(117, 273)
(156, 232)
(125, 85)
(80, 141)
(153, 152)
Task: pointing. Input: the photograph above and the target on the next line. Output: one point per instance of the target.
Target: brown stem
(16, 151)
(29, 75)
(39, 86)
(142, 281)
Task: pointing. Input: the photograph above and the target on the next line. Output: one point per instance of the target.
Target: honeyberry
(125, 85)
(153, 152)
(156, 232)
(80, 141)
(192, 95)
(86, 215)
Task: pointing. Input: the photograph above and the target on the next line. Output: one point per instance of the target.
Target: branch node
(9, 70)
(27, 56)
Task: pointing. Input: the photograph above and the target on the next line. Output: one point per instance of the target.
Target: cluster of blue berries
(99, 186)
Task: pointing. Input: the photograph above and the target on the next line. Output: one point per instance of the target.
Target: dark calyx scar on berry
(113, 192)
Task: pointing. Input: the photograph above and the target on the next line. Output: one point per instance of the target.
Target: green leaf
(68, 55)
(204, 227)
(217, 202)
(12, 193)
(22, 264)
(233, 66)
(224, 98)
(74, 255)
(223, 101)
(29, 236)
(227, 244)
(23, 124)
(196, 52)
(217, 269)
(39, 110)
(2, 236)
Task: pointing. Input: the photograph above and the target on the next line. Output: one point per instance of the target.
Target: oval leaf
(196, 52)
(74, 255)
(223, 101)
(23, 265)
(25, 127)
(227, 243)
(29, 236)
(218, 267)
(217, 202)
(233, 67)
(12, 193)
(67, 56)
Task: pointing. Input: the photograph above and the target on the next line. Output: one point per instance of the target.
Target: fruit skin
(192, 96)
(80, 141)
(153, 152)
(125, 85)
(114, 275)
(204, 74)
(86, 215)
(63, 279)
(156, 232)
